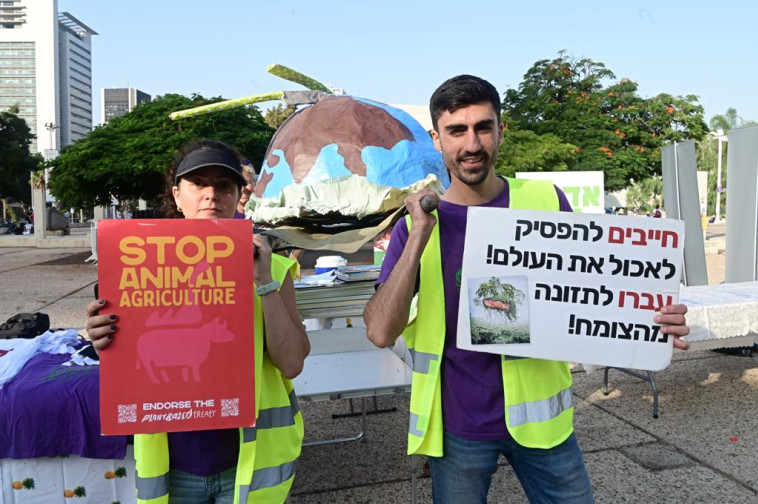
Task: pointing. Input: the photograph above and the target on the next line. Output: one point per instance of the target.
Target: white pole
(718, 185)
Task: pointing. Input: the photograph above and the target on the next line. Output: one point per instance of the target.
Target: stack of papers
(331, 301)
(327, 278)
(358, 273)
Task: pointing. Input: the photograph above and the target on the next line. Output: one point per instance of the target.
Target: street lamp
(721, 137)
(50, 152)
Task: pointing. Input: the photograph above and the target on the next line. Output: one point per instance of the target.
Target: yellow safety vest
(268, 451)
(538, 401)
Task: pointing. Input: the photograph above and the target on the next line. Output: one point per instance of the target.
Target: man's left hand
(672, 321)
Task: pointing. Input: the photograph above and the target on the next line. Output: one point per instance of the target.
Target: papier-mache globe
(334, 141)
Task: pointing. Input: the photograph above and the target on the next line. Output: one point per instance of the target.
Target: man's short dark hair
(462, 91)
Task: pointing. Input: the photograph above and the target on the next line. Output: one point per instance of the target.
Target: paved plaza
(702, 448)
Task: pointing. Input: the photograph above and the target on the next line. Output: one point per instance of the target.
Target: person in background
(467, 408)
(248, 172)
(239, 213)
(229, 465)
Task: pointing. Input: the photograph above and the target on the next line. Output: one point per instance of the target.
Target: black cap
(210, 157)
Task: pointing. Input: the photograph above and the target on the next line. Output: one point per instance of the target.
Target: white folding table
(343, 364)
(719, 316)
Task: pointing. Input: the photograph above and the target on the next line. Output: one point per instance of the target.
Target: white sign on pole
(569, 287)
(585, 190)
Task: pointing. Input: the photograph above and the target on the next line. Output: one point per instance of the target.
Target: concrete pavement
(702, 448)
(78, 237)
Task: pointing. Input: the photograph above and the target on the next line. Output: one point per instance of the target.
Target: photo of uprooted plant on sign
(497, 310)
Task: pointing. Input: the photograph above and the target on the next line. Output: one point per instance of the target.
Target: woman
(250, 465)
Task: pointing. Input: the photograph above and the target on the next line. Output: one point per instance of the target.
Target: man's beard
(474, 179)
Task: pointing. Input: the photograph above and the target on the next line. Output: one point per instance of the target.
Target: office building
(118, 101)
(46, 68)
(75, 78)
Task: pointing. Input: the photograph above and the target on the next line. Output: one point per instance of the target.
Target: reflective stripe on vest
(540, 411)
(422, 361)
(267, 477)
(270, 418)
(413, 424)
(152, 488)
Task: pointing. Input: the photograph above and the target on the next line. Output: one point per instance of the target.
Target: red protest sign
(183, 356)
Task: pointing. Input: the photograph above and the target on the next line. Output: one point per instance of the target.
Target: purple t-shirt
(204, 453)
(472, 387)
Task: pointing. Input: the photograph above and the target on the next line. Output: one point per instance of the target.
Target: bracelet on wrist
(268, 288)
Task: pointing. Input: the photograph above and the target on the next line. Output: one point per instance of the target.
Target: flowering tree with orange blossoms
(580, 102)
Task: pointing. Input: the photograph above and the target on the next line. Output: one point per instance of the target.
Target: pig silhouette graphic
(186, 348)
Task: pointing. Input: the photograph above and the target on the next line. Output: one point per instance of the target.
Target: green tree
(726, 121)
(615, 130)
(16, 162)
(499, 299)
(707, 151)
(128, 157)
(527, 151)
(276, 116)
(644, 195)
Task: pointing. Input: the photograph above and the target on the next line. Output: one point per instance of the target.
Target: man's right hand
(423, 222)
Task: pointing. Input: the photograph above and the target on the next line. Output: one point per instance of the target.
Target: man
(459, 398)
(250, 177)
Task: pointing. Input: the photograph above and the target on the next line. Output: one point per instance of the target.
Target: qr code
(127, 413)
(230, 407)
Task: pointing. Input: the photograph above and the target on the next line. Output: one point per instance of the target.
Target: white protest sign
(569, 287)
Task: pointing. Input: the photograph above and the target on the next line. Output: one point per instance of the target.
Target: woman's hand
(262, 270)
(100, 328)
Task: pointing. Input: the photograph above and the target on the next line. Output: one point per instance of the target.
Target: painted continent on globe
(344, 135)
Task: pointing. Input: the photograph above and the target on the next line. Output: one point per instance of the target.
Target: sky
(399, 51)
